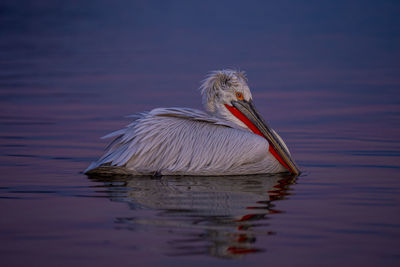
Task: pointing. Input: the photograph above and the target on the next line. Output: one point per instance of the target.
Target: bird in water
(230, 138)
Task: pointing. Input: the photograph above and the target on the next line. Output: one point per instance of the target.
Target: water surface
(325, 76)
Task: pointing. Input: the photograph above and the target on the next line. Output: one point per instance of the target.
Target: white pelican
(231, 138)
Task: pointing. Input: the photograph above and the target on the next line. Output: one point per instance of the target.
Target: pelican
(230, 138)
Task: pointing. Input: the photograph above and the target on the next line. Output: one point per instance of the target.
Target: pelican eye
(239, 96)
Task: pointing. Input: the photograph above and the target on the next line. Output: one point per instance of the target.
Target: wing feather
(186, 141)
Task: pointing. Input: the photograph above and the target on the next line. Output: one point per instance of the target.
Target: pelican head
(226, 95)
(222, 87)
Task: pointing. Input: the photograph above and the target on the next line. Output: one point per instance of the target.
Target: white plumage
(184, 141)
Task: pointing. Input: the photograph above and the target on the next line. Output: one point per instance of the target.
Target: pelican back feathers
(183, 141)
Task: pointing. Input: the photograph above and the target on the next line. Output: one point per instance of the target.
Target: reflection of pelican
(232, 138)
(222, 217)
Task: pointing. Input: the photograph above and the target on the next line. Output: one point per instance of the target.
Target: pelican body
(230, 138)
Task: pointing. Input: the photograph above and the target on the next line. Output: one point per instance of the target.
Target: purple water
(324, 75)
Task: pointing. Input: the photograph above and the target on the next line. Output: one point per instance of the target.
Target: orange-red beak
(247, 113)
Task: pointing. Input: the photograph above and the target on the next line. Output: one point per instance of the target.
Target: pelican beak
(247, 113)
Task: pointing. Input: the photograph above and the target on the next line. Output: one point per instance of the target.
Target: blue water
(324, 75)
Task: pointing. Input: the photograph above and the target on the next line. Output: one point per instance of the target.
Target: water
(325, 76)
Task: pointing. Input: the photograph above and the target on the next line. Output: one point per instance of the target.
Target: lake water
(325, 76)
